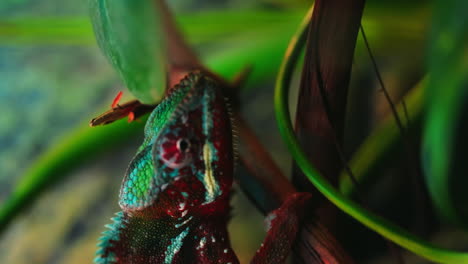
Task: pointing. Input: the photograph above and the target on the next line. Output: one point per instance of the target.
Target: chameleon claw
(116, 100)
(131, 117)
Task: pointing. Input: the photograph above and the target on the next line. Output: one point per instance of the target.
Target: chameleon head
(185, 163)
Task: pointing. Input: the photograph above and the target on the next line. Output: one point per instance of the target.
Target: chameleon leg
(283, 226)
(212, 244)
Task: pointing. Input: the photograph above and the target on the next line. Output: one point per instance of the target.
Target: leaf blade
(130, 35)
(447, 98)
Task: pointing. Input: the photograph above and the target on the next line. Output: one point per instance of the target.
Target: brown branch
(322, 99)
(265, 180)
(332, 37)
(180, 54)
(268, 188)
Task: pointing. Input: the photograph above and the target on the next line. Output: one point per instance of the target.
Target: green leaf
(445, 142)
(130, 35)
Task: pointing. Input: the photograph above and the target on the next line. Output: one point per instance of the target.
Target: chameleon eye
(175, 152)
(183, 145)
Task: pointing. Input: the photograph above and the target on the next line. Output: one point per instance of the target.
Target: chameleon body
(175, 194)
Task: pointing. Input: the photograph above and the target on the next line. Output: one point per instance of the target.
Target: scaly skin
(175, 194)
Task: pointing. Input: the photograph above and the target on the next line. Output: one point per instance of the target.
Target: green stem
(372, 221)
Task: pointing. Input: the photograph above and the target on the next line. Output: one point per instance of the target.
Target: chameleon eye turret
(175, 152)
(183, 145)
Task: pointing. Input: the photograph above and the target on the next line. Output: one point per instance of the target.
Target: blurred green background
(53, 79)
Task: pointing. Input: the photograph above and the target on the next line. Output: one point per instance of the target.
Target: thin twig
(382, 85)
(327, 107)
(410, 149)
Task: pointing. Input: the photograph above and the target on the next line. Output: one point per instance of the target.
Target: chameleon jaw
(151, 199)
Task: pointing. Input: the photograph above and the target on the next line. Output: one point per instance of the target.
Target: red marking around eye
(172, 155)
(172, 152)
(116, 100)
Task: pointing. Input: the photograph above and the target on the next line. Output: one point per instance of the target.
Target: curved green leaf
(130, 35)
(383, 227)
(445, 132)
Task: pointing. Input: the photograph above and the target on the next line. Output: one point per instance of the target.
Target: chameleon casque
(175, 194)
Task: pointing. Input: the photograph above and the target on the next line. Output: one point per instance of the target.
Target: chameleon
(175, 193)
